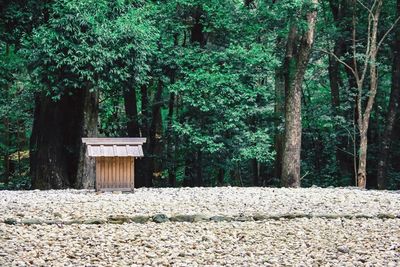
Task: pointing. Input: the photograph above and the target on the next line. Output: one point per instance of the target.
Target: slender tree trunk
(7, 138)
(6, 158)
(155, 131)
(279, 115)
(130, 103)
(393, 109)
(363, 120)
(297, 68)
(170, 143)
(143, 174)
(256, 172)
(199, 169)
(57, 155)
(220, 176)
(189, 177)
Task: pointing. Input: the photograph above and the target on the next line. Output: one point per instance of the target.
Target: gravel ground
(280, 227)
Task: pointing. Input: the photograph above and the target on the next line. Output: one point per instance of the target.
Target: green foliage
(216, 60)
(90, 45)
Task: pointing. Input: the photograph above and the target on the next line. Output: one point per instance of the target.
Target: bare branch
(364, 6)
(387, 32)
(349, 153)
(339, 60)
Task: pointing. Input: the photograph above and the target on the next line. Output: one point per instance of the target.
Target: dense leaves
(206, 78)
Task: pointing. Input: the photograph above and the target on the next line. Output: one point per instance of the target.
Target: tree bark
(6, 158)
(7, 137)
(57, 155)
(363, 118)
(297, 68)
(196, 32)
(130, 103)
(170, 143)
(220, 176)
(189, 176)
(143, 175)
(86, 165)
(256, 172)
(155, 135)
(393, 110)
(279, 115)
(199, 169)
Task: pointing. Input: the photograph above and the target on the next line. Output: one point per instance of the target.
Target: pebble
(343, 249)
(226, 226)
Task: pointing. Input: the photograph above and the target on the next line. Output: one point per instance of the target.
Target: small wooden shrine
(115, 161)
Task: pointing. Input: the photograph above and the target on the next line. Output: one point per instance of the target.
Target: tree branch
(339, 60)
(387, 32)
(364, 6)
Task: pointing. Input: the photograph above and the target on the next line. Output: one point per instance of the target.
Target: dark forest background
(233, 92)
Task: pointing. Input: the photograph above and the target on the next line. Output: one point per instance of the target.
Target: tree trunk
(86, 166)
(7, 137)
(196, 32)
(155, 135)
(199, 169)
(130, 103)
(279, 114)
(220, 176)
(143, 175)
(363, 120)
(57, 155)
(297, 68)
(256, 172)
(189, 176)
(391, 113)
(7, 160)
(170, 143)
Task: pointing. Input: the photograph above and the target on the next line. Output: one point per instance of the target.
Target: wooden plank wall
(114, 173)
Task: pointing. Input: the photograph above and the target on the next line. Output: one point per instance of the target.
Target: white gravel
(342, 241)
(75, 204)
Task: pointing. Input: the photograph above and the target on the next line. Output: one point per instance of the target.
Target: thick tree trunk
(86, 165)
(57, 156)
(393, 109)
(297, 68)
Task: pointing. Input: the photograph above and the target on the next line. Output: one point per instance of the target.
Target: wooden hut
(115, 161)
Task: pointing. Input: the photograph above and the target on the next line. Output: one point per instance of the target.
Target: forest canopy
(248, 93)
